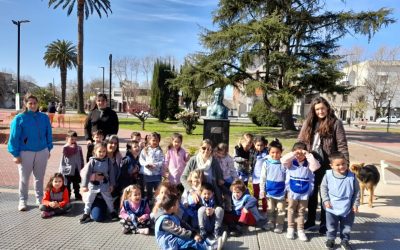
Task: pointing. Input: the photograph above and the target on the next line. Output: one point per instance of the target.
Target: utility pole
(110, 58)
(17, 95)
(103, 79)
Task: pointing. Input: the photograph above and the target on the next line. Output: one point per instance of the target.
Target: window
(117, 93)
(345, 98)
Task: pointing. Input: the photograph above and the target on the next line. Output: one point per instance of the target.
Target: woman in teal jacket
(30, 143)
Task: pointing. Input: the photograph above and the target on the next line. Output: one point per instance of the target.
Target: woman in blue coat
(30, 144)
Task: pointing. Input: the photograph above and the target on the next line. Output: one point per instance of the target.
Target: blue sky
(136, 28)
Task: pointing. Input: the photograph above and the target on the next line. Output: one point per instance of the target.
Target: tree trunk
(287, 119)
(63, 84)
(142, 124)
(81, 4)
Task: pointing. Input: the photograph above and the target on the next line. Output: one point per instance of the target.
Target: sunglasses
(206, 148)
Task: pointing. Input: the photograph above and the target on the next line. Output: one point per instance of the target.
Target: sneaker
(203, 233)
(22, 206)
(270, 226)
(223, 237)
(345, 245)
(330, 244)
(114, 216)
(143, 231)
(217, 232)
(126, 230)
(220, 244)
(85, 219)
(78, 197)
(302, 236)
(278, 229)
(309, 225)
(38, 202)
(263, 223)
(290, 233)
(46, 214)
(235, 230)
(322, 230)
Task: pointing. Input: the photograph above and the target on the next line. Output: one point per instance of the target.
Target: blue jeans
(191, 244)
(98, 211)
(150, 186)
(346, 222)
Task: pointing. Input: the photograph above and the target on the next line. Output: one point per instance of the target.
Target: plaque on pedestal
(217, 130)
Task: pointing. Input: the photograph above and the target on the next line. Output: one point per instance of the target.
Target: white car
(393, 119)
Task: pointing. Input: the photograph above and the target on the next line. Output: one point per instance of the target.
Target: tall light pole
(17, 97)
(103, 78)
(110, 58)
(388, 120)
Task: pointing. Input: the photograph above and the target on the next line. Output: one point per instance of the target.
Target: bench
(384, 166)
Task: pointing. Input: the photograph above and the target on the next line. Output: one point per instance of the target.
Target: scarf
(201, 165)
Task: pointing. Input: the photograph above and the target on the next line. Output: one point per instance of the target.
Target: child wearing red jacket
(56, 197)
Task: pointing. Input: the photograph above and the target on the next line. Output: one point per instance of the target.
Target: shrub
(262, 116)
(189, 120)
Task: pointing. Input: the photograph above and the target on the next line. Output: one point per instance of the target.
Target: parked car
(393, 119)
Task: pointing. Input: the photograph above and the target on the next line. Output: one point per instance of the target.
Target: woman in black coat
(101, 118)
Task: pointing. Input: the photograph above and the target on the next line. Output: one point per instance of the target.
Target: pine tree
(289, 44)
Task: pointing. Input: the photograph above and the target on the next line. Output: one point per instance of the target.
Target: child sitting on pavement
(135, 211)
(169, 232)
(56, 198)
(210, 216)
(244, 210)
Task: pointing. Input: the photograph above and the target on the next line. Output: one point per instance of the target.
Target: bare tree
(147, 64)
(383, 79)
(134, 106)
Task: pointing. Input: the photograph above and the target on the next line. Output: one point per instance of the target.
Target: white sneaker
(38, 202)
(290, 233)
(278, 229)
(22, 206)
(143, 231)
(302, 236)
(221, 240)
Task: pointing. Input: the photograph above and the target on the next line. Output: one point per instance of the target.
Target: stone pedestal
(217, 130)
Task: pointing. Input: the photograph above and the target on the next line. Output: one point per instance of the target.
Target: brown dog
(368, 176)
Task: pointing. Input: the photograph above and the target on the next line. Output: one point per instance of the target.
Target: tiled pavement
(375, 228)
(26, 230)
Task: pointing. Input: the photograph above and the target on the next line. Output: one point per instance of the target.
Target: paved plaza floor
(375, 228)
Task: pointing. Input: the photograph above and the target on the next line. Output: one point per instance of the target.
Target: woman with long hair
(30, 144)
(323, 133)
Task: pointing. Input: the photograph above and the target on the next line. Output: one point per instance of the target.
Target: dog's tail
(369, 173)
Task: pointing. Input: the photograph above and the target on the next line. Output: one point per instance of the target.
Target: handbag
(317, 151)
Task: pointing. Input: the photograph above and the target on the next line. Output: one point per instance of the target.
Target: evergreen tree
(286, 48)
(164, 98)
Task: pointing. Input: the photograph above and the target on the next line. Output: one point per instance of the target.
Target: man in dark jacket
(101, 117)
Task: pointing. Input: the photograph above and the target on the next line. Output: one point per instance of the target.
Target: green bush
(262, 116)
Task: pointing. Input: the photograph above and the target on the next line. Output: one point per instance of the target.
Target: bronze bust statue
(217, 110)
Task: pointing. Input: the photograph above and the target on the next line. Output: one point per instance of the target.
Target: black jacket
(108, 123)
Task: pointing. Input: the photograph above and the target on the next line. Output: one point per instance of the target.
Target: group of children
(151, 195)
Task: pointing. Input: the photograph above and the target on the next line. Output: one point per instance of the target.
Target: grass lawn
(192, 142)
(395, 129)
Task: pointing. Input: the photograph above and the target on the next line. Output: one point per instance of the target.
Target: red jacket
(48, 197)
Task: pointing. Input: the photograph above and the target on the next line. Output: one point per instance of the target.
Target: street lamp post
(110, 58)
(351, 108)
(388, 120)
(17, 97)
(103, 78)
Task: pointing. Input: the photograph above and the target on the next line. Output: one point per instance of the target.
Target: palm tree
(61, 54)
(84, 7)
